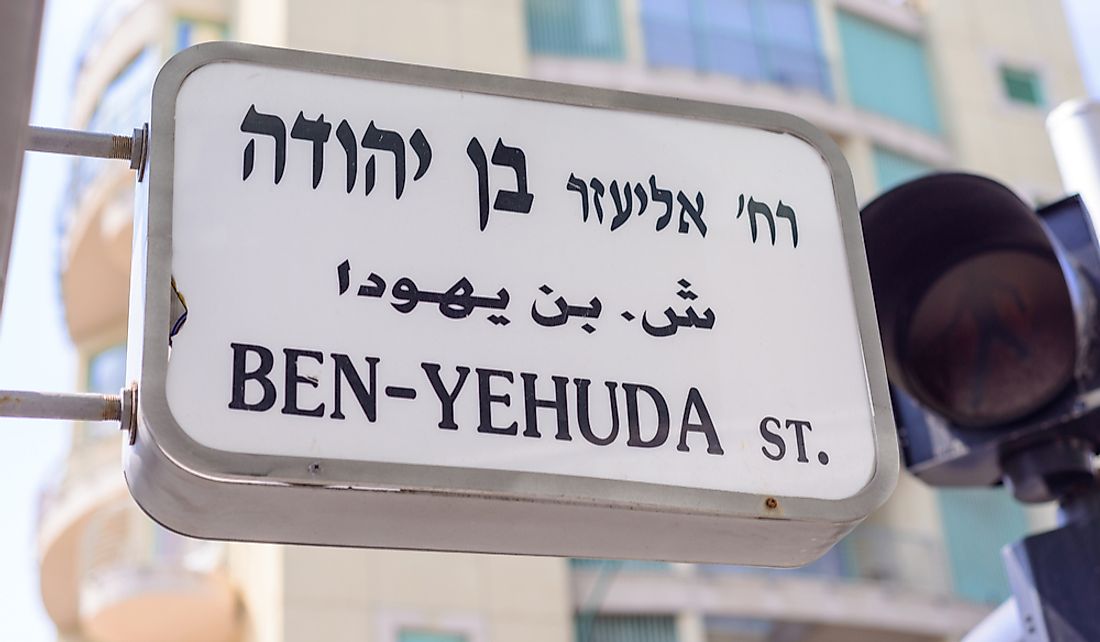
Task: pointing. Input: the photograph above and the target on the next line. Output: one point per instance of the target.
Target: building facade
(905, 88)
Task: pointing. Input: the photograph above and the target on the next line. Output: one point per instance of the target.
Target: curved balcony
(122, 31)
(95, 271)
(140, 582)
(91, 479)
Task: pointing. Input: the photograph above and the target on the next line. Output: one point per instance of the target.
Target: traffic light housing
(987, 311)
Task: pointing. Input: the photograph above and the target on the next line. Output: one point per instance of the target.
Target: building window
(624, 628)
(774, 41)
(575, 28)
(887, 72)
(977, 522)
(893, 169)
(1022, 86)
(414, 635)
(740, 628)
(191, 31)
(613, 566)
(107, 371)
(106, 374)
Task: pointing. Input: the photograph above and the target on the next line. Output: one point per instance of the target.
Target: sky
(35, 353)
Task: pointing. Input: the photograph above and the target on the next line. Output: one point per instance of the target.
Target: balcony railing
(94, 458)
(125, 104)
(121, 539)
(109, 15)
(880, 554)
(139, 581)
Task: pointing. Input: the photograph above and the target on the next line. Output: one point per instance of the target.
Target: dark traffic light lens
(993, 338)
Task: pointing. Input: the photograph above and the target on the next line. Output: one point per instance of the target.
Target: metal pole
(1074, 129)
(20, 26)
(51, 405)
(72, 142)
(78, 143)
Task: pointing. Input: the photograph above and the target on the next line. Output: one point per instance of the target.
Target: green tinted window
(1022, 86)
(977, 522)
(892, 169)
(887, 72)
(429, 636)
(625, 628)
(585, 28)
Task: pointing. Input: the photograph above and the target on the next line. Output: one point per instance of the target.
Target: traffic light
(987, 311)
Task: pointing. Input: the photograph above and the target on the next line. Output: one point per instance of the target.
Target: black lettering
(486, 399)
(446, 397)
(268, 125)
(632, 423)
(316, 131)
(345, 369)
(772, 438)
(532, 404)
(241, 376)
(704, 425)
(584, 418)
(293, 380)
(800, 437)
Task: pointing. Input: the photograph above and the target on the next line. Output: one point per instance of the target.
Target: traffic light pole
(1055, 576)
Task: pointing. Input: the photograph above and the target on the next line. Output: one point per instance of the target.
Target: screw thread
(120, 147)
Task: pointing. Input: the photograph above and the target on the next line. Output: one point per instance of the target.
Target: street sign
(420, 308)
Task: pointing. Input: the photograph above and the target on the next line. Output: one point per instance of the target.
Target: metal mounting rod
(79, 143)
(53, 405)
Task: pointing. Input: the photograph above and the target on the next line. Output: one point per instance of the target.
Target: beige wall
(968, 43)
(257, 570)
(341, 595)
(476, 35)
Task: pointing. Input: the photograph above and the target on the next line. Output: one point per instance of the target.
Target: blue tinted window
(774, 41)
(790, 25)
(729, 42)
(183, 35)
(107, 371)
(667, 26)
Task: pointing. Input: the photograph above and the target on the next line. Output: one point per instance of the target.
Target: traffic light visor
(976, 312)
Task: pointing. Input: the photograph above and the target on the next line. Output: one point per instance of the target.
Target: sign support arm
(72, 406)
(91, 144)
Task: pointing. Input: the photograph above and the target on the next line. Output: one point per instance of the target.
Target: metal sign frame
(216, 494)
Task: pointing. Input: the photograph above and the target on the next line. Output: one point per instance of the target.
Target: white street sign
(640, 320)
